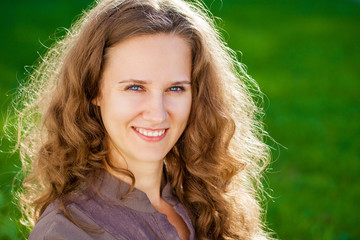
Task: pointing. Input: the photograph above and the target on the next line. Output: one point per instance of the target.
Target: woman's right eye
(135, 88)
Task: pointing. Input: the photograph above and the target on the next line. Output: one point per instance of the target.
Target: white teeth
(150, 133)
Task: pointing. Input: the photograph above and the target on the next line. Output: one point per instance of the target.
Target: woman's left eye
(176, 89)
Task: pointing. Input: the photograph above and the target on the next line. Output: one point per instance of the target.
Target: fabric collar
(111, 189)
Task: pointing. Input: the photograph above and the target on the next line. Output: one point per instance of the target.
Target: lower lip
(151, 139)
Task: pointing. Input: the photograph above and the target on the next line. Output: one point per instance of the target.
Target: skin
(145, 90)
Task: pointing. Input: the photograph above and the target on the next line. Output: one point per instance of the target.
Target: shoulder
(54, 225)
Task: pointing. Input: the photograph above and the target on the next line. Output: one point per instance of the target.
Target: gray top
(131, 218)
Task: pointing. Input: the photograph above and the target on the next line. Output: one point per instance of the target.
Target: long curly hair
(215, 168)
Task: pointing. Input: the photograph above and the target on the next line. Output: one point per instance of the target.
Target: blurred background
(305, 55)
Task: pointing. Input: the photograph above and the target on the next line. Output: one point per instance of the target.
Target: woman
(140, 125)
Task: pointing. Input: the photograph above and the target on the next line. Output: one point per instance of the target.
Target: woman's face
(145, 96)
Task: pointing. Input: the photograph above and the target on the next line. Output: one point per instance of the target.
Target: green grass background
(305, 55)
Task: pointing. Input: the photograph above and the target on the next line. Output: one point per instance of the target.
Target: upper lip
(151, 129)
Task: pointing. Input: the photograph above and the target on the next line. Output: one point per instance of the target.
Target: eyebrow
(149, 82)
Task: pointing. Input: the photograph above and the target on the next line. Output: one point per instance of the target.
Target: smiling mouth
(150, 133)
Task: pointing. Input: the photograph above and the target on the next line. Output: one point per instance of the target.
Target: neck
(148, 176)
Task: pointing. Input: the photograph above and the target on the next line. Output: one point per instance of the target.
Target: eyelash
(138, 88)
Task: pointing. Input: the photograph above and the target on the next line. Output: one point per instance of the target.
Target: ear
(95, 101)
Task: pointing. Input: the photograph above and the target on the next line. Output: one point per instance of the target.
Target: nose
(155, 110)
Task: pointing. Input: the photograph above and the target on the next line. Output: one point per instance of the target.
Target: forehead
(149, 57)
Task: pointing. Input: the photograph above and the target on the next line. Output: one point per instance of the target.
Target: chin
(153, 158)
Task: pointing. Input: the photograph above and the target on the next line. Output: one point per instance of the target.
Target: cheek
(180, 109)
(116, 110)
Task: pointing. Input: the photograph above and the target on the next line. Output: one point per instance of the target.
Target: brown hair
(215, 166)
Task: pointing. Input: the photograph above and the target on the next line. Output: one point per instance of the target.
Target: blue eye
(176, 89)
(134, 88)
